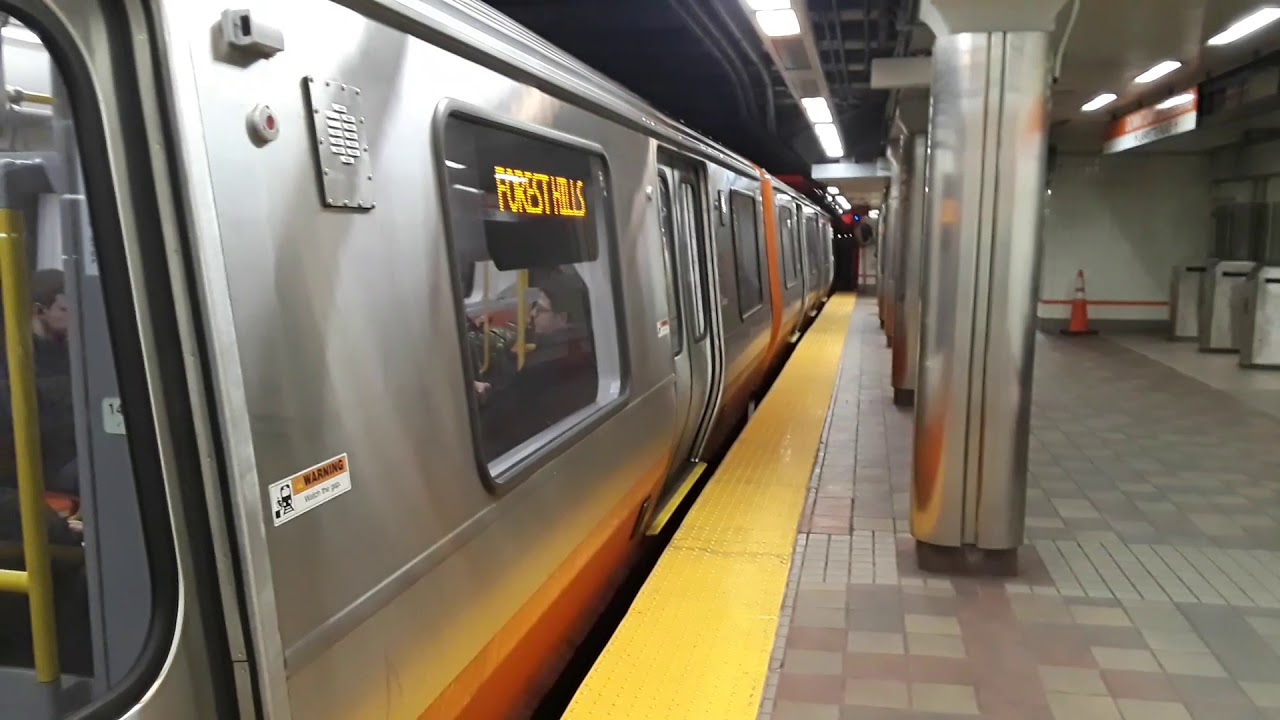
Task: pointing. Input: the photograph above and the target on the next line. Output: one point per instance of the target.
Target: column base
(967, 560)
(904, 397)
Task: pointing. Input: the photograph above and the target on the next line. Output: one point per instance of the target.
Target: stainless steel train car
(351, 348)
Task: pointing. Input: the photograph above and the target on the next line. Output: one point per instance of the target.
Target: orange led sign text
(531, 193)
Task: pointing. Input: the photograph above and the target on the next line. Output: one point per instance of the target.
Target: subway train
(352, 348)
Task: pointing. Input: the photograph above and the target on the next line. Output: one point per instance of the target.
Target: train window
(811, 245)
(786, 238)
(78, 592)
(746, 252)
(670, 259)
(529, 220)
(691, 210)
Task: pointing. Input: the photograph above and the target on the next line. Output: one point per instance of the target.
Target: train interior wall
(1126, 220)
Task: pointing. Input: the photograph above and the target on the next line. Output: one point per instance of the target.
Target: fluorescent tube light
(769, 4)
(778, 23)
(1175, 101)
(1101, 101)
(817, 109)
(829, 136)
(1158, 71)
(1253, 23)
(22, 34)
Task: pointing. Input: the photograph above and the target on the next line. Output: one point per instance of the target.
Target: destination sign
(531, 193)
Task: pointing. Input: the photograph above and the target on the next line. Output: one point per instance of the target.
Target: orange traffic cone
(1079, 324)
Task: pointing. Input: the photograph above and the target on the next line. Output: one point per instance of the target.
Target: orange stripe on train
(514, 668)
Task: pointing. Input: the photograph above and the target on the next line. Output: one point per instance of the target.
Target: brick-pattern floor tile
(1265, 695)
(1082, 707)
(1125, 659)
(1138, 685)
(813, 662)
(1075, 681)
(1150, 578)
(790, 710)
(823, 689)
(1152, 710)
(944, 698)
(876, 693)
(935, 645)
(865, 641)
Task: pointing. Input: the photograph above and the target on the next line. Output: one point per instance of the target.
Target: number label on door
(112, 416)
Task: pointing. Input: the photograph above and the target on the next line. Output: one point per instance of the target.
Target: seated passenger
(50, 323)
(50, 326)
(558, 316)
(70, 593)
(491, 366)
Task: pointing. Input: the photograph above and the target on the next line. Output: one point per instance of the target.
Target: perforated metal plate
(341, 144)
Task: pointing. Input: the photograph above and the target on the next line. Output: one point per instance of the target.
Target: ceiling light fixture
(844, 202)
(1253, 23)
(1101, 101)
(22, 34)
(1175, 101)
(832, 189)
(778, 23)
(829, 136)
(769, 4)
(873, 213)
(1158, 71)
(817, 109)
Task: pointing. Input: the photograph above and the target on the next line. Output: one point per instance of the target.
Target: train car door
(683, 236)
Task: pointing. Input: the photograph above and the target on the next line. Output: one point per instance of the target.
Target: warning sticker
(309, 489)
(664, 327)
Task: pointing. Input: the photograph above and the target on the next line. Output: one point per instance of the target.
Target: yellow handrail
(522, 289)
(33, 98)
(38, 576)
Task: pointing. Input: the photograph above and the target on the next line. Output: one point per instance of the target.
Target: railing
(36, 582)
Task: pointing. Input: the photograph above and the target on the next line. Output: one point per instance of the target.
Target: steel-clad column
(906, 305)
(986, 173)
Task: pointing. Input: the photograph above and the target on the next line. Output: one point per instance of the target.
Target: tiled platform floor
(1151, 583)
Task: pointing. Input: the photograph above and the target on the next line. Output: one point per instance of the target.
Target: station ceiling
(703, 63)
(1111, 43)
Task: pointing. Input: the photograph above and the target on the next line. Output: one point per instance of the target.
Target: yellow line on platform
(697, 640)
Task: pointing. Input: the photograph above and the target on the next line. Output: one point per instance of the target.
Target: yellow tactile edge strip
(697, 640)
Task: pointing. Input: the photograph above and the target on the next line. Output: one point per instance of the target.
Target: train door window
(78, 591)
(530, 215)
(746, 252)
(670, 259)
(695, 243)
(797, 261)
(811, 245)
(786, 238)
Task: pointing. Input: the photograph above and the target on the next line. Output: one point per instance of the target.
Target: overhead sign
(1149, 124)
(532, 193)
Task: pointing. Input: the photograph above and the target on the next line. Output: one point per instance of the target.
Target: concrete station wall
(1125, 220)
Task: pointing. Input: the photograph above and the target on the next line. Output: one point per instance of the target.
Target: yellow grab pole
(26, 437)
(32, 98)
(522, 289)
(13, 581)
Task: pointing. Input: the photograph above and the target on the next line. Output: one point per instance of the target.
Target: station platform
(1149, 585)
